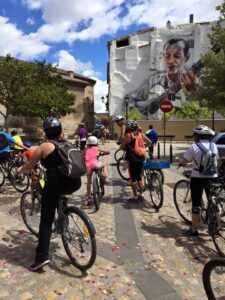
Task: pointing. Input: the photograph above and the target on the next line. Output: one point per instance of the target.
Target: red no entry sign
(166, 106)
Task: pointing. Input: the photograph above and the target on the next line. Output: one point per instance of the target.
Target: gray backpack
(72, 160)
(208, 164)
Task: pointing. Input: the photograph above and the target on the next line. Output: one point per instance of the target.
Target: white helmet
(92, 140)
(203, 130)
(118, 118)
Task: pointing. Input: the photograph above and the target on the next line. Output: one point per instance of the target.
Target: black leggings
(49, 203)
(197, 186)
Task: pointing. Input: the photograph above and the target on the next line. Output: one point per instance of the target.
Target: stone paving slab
(176, 259)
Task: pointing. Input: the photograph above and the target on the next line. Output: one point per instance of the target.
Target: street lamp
(126, 100)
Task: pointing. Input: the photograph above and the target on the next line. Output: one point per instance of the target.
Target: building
(140, 68)
(83, 89)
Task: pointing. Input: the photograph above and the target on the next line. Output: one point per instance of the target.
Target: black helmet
(14, 132)
(52, 127)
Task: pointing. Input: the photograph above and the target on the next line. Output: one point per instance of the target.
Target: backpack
(139, 146)
(3, 141)
(208, 164)
(72, 160)
(152, 135)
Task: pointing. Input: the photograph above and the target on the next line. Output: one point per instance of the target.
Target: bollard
(158, 156)
(171, 153)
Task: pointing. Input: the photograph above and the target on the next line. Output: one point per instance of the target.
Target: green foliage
(33, 89)
(192, 110)
(134, 114)
(211, 91)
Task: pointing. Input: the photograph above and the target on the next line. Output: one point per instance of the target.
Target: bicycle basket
(157, 164)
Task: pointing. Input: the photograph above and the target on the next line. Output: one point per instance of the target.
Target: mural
(160, 69)
(167, 84)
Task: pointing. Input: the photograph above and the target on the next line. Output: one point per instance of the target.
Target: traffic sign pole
(165, 106)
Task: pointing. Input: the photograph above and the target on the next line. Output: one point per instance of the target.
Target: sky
(73, 34)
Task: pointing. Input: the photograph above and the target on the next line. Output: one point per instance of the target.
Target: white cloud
(30, 21)
(101, 17)
(68, 62)
(16, 43)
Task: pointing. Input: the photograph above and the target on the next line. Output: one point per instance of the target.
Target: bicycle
(76, 229)
(213, 277)
(122, 168)
(118, 154)
(212, 212)
(98, 185)
(8, 170)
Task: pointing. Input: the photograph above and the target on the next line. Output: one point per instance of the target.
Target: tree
(211, 90)
(32, 89)
(192, 110)
(134, 114)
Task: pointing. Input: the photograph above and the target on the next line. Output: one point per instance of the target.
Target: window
(122, 43)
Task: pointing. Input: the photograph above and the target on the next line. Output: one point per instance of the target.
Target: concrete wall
(178, 128)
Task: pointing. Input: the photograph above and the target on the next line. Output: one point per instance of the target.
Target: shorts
(197, 186)
(94, 165)
(135, 169)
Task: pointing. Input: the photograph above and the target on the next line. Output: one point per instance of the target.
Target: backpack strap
(201, 147)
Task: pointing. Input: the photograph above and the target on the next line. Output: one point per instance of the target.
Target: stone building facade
(83, 89)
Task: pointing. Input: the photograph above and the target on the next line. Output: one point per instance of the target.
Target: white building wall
(133, 68)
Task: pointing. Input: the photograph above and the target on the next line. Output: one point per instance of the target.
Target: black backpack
(3, 141)
(72, 160)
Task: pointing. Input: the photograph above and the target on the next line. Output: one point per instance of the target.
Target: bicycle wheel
(78, 236)
(182, 199)
(2, 177)
(118, 154)
(217, 227)
(122, 168)
(30, 207)
(96, 192)
(161, 175)
(214, 278)
(156, 190)
(20, 182)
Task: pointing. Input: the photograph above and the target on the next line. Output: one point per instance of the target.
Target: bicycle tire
(2, 177)
(122, 168)
(118, 154)
(217, 229)
(84, 235)
(96, 192)
(30, 207)
(156, 190)
(207, 278)
(181, 195)
(161, 175)
(20, 182)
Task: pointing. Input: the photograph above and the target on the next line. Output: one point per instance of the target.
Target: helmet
(92, 140)
(203, 130)
(14, 132)
(118, 118)
(132, 125)
(52, 127)
(27, 144)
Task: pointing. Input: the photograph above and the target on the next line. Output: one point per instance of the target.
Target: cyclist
(29, 152)
(18, 139)
(92, 162)
(6, 142)
(135, 163)
(120, 121)
(152, 135)
(56, 185)
(199, 182)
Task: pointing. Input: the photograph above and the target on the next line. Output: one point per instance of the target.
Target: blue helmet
(27, 144)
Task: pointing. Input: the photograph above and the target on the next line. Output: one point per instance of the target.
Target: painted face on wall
(174, 58)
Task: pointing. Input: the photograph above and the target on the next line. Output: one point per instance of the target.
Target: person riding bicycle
(120, 121)
(6, 143)
(56, 185)
(91, 160)
(199, 182)
(18, 139)
(135, 162)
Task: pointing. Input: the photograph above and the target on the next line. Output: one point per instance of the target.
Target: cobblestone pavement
(169, 259)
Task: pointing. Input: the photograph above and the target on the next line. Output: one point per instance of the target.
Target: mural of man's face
(174, 57)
